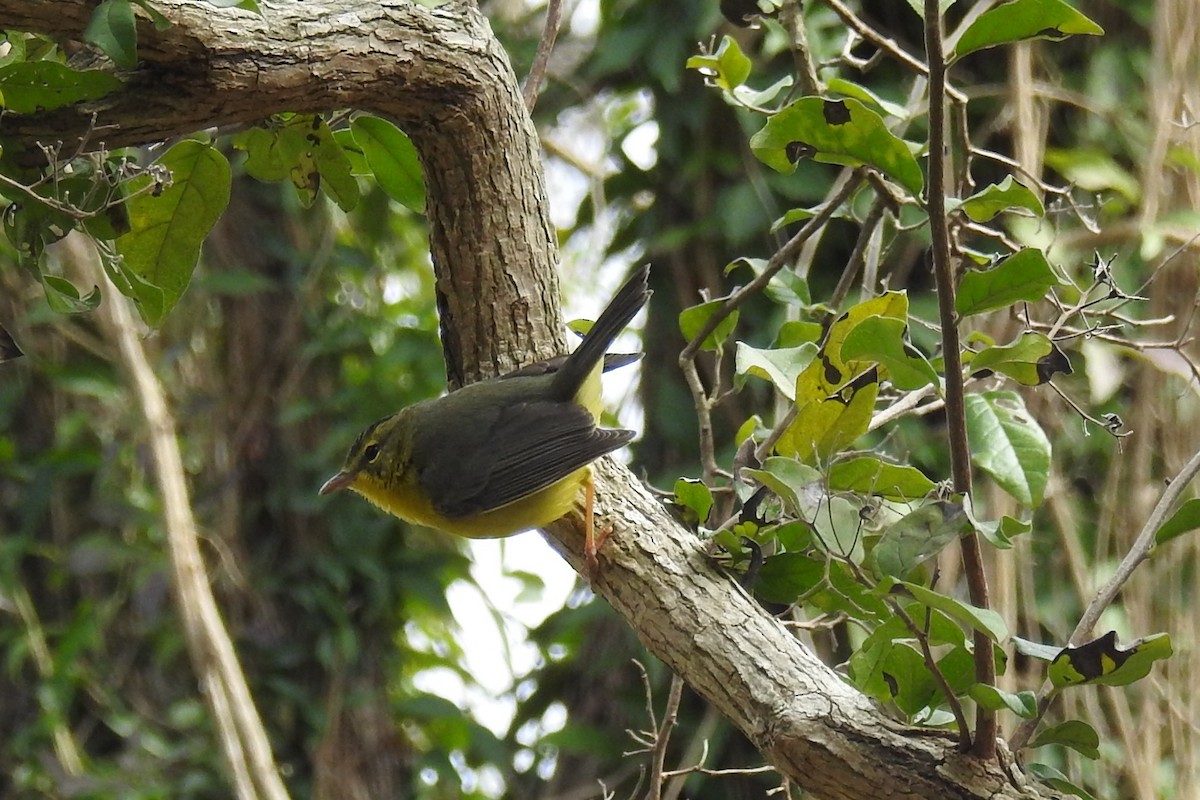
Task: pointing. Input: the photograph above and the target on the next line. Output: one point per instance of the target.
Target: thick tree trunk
(443, 77)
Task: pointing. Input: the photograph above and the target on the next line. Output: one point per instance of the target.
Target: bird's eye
(371, 452)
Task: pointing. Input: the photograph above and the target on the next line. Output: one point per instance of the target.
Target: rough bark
(442, 76)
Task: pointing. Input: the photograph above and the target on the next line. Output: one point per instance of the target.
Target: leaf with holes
(1031, 360)
(838, 132)
(1103, 661)
(827, 425)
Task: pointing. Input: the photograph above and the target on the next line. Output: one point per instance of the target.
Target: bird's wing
(527, 447)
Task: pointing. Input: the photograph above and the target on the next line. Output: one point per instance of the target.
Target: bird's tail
(620, 310)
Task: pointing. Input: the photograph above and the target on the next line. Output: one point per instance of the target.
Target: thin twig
(1139, 551)
(663, 738)
(541, 59)
(792, 17)
(847, 183)
(889, 46)
(922, 637)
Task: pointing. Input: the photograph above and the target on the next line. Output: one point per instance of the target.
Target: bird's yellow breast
(532, 511)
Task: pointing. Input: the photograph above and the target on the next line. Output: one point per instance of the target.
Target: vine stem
(984, 744)
(240, 730)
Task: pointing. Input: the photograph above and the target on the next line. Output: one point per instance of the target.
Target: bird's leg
(591, 542)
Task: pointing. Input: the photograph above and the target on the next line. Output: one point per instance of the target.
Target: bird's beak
(337, 482)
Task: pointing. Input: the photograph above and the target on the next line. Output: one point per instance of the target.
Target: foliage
(828, 486)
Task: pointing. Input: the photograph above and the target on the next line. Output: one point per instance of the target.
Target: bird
(503, 455)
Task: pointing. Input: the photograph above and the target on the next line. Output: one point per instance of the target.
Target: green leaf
(161, 23)
(787, 576)
(1023, 704)
(1023, 19)
(1001, 533)
(393, 159)
(167, 229)
(987, 203)
(1186, 519)
(884, 340)
(872, 475)
(780, 366)
(1095, 170)
(1042, 652)
(1008, 444)
(798, 486)
(919, 535)
(324, 163)
(1075, 734)
(692, 321)
(760, 97)
(272, 151)
(838, 132)
(794, 333)
(838, 524)
(791, 216)
(64, 298)
(1031, 360)
(984, 620)
(785, 286)
(910, 682)
(26, 87)
(829, 587)
(113, 30)
(826, 426)
(694, 496)
(1056, 780)
(728, 67)
(1102, 661)
(919, 6)
(860, 92)
(1024, 276)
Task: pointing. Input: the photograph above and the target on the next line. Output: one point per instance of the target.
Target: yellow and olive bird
(501, 455)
